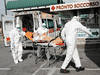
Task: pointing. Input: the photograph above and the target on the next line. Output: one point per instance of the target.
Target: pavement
(89, 56)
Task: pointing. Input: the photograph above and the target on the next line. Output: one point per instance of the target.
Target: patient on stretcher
(41, 35)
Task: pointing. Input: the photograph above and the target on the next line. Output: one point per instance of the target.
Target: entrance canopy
(30, 4)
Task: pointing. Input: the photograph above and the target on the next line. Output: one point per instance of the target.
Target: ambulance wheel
(24, 47)
(4, 42)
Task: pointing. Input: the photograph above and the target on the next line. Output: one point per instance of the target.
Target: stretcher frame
(46, 46)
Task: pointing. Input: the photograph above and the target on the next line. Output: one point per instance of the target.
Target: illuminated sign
(94, 31)
(78, 5)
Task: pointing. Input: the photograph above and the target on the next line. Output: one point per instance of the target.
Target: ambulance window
(89, 17)
(62, 22)
(58, 26)
(50, 24)
(44, 21)
(36, 24)
(8, 18)
(8, 25)
(83, 19)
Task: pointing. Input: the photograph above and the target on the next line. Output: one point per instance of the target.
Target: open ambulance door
(7, 24)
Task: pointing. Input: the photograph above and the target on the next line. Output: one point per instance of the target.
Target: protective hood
(75, 18)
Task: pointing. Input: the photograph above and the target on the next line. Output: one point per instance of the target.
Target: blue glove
(64, 41)
(91, 35)
(13, 45)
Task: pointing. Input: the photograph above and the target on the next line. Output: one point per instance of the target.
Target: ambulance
(30, 21)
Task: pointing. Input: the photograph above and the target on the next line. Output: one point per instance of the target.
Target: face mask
(44, 26)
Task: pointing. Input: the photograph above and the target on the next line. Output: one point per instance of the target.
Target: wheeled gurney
(45, 44)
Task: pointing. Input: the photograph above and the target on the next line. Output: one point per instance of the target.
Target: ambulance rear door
(8, 25)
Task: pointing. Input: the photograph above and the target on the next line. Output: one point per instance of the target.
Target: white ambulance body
(31, 21)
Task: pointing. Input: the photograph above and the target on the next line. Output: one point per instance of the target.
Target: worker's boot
(15, 57)
(80, 69)
(20, 60)
(16, 61)
(20, 56)
(64, 71)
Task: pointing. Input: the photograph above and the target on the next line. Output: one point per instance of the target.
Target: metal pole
(5, 7)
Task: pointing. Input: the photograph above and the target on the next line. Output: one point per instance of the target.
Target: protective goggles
(18, 27)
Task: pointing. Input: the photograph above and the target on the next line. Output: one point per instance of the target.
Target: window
(50, 23)
(58, 26)
(90, 17)
(8, 25)
(36, 23)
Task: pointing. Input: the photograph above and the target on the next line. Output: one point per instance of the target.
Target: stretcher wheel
(35, 62)
(48, 65)
(42, 60)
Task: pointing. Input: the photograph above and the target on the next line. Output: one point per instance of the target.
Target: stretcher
(46, 43)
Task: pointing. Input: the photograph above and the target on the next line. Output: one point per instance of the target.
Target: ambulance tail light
(8, 38)
(51, 30)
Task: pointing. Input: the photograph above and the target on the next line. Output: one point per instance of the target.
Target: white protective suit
(70, 31)
(40, 31)
(16, 44)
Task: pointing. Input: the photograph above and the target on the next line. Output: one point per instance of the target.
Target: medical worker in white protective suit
(16, 44)
(42, 29)
(70, 31)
